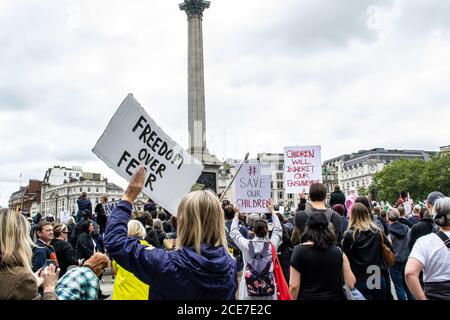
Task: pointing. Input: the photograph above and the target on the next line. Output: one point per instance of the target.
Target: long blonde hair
(200, 220)
(15, 242)
(361, 220)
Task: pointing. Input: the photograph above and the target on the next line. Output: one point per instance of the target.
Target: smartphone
(49, 262)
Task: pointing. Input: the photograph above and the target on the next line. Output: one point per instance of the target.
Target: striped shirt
(79, 283)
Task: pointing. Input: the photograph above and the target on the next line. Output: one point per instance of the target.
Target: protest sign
(132, 139)
(302, 167)
(109, 206)
(252, 188)
(408, 205)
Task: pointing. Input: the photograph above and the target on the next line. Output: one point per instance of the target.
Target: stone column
(196, 84)
(196, 94)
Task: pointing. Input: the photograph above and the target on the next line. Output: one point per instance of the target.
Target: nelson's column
(196, 94)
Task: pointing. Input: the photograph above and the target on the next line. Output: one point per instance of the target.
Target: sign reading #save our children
(132, 139)
(252, 188)
(302, 167)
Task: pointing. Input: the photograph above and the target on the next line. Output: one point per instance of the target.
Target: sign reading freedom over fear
(133, 139)
(302, 167)
(252, 188)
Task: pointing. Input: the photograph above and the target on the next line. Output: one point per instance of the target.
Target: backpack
(259, 277)
(329, 214)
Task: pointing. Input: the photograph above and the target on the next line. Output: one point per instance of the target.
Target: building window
(70, 174)
(65, 174)
(279, 185)
(77, 174)
(281, 166)
(113, 199)
(271, 195)
(96, 189)
(279, 176)
(290, 196)
(89, 189)
(280, 195)
(81, 189)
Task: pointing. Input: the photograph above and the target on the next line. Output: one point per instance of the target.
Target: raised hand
(135, 185)
(271, 207)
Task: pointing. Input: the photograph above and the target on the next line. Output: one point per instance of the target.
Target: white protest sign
(131, 139)
(302, 167)
(64, 216)
(109, 206)
(252, 188)
(408, 207)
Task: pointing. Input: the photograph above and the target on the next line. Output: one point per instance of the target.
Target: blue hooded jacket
(176, 275)
(399, 234)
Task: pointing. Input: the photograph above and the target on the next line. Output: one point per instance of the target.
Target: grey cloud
(304, 28)
(11, 99)
(417, 18)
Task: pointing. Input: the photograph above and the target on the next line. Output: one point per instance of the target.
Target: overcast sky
(346, 75)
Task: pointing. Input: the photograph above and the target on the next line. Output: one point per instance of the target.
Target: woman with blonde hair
(83, 283)
(63, 249)
(362, 245)
(126, 285)
(201, 266)
(18, 282)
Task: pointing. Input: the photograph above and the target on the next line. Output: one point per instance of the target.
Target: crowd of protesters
(327, 250)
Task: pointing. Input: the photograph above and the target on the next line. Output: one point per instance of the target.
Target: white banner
(109, 206)
(302, 167)
(131, 139)
(252, 188)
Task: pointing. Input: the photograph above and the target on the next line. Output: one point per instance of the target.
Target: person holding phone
(18, 282)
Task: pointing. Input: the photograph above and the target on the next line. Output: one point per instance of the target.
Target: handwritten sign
(132, 139)
(252, 188)
(302, 167)
(109, 206)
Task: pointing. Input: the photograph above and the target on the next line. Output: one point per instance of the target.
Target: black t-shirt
(320, 272)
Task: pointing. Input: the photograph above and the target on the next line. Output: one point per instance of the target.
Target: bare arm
(294, 283)
(412, 272)
(349, 277)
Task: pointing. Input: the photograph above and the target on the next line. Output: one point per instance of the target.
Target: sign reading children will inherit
(302, 167)
(133, 139)
(252, 188)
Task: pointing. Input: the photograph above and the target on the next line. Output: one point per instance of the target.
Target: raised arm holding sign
(133, 139)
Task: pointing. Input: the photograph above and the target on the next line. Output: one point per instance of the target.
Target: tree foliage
(414, 176)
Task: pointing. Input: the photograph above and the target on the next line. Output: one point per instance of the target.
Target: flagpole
(235, 175)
